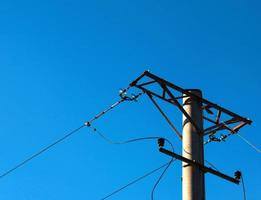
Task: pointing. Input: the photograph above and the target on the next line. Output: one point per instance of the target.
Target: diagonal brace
(165, 116)
(181, 108)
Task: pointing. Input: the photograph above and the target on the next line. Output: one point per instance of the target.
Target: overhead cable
(105, 138)
(66, 136)
(159, 179)
(40, 152)
(135, 181)
(135, 140)
(243, 187)
(249, 143)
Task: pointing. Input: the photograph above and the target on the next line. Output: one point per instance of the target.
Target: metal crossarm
(217, 117)
(202, 167)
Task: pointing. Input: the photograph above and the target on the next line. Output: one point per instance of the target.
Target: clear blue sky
(61, 62)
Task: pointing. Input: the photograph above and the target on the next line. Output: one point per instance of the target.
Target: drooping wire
(135, 140)
(249, 143)
(105, 138)
(134, 181)
(243, 186)
(66, 136)
(159, 179)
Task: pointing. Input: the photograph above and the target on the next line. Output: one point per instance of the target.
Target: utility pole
(195, 110)
(193, 182)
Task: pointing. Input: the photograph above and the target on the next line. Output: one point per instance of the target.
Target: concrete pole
(193, 181)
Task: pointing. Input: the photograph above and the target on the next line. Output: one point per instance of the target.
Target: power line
(40, 152)
(66, 136)
(249, 143)
(243, 186)
(135, 140)
(159, 179)
(105, 138)
(211, 164)
(135, 181)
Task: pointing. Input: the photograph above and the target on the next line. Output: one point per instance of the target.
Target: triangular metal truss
(217, 117)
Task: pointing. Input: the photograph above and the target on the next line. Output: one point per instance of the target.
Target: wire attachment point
(124, 96)
(87, 124)
(238, 175)
(161, 142)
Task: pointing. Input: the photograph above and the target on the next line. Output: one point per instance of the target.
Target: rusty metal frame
(233, 124)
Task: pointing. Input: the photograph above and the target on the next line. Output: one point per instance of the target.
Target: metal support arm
(202, 167)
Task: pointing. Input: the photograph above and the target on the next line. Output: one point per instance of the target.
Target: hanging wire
(105, 138)
(159, 179)
(66, 136)
(135, 181)
(243, 187)
(249, 143)
(135, 140)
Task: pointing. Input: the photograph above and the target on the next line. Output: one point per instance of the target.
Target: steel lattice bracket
(218, 118)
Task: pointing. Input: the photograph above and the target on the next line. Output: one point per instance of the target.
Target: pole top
(194, 90)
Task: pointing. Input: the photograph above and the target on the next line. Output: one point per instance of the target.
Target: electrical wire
(232, 133)
(211, 164)
(105, 138)
(243, 186)
(40, 152)
(108, 140)
(204, 159)
(123, 98)
(135, 181)
(249, 143)
(159, 179)
(66, 136)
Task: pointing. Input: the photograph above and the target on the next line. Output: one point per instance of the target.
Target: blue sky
(61, 62)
